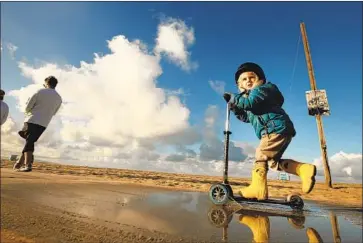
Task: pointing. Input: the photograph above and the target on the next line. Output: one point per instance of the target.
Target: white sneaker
(17, 165)
(25, 169)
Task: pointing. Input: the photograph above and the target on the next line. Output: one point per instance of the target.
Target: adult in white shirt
(40, 109)
(4, 108)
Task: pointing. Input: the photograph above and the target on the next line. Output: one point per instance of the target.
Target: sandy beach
(342, 194)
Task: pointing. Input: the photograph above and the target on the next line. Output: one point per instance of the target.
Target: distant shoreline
(343, 194)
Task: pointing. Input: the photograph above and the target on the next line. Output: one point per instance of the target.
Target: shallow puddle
(192, 214)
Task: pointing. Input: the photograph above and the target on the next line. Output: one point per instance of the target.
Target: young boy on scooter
(260, 103)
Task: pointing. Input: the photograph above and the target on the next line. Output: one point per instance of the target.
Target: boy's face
(248, 81)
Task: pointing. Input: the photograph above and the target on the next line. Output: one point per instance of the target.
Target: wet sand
(50, 208)
(46, 207)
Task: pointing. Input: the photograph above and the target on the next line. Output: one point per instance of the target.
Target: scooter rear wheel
(219, 194)
(296, 221)
(295, 202)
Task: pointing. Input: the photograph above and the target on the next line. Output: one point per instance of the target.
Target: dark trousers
(31, 133)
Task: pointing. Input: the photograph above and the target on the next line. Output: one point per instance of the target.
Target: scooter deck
(270, 201)
(271, 205)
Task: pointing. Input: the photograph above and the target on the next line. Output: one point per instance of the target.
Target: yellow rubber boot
(258, 187)
(313, 236)
(259, 225)
(305, 171)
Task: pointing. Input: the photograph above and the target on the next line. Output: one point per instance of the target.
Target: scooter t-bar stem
(226, 126)
(226, 147)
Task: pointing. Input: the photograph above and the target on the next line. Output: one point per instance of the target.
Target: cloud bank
(343, 166)
(115, 115)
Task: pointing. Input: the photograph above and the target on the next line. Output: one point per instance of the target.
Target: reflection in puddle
(191, 214)
(260, 225)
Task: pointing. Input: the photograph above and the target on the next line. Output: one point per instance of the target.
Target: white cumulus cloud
(174, 38)
(217, 86)
(113, 100)
(343, 166)
(111, 104)
(12, 49)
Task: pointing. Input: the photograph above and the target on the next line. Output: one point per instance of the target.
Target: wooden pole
(319, 122)
(225, 234)
(335, 228)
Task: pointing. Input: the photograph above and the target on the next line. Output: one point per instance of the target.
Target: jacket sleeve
(30, 103)
(240, 114)
(58, 107)
(257, 98)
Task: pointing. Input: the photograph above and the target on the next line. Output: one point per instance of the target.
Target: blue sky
(226, 35)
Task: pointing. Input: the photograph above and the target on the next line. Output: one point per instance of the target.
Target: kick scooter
(221, 193)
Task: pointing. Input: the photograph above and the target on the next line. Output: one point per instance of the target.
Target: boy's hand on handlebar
(229, 98)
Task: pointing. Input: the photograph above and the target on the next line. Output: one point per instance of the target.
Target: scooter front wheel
(219, 217)
(219, 194)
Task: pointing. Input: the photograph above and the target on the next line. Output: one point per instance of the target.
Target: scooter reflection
(259, 223)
